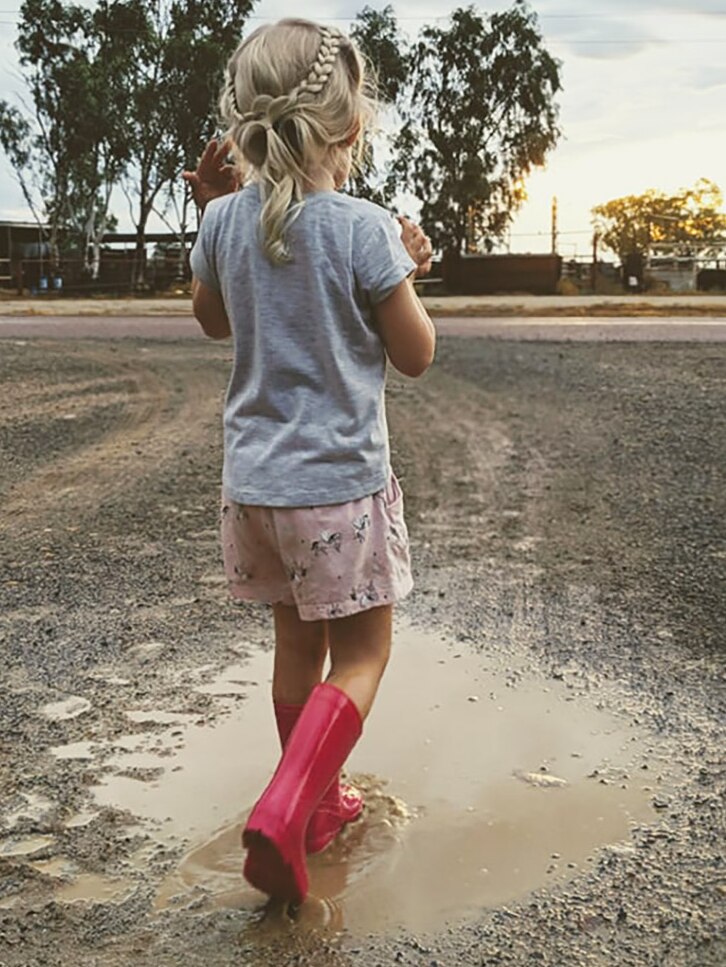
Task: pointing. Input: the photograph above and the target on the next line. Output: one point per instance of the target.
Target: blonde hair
(295, 93)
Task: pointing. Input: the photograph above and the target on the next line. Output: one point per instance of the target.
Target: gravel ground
(566, 504)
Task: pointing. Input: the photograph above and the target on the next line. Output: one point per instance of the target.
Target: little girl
(315, 288)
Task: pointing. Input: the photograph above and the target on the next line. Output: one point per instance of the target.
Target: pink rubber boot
(326, 731)
(339, 805)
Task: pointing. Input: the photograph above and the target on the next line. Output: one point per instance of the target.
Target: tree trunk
(138, 278)
(182, 259)
(96, 259)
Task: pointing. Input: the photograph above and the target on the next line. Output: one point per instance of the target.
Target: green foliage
(125, 92)
(17, 142)
(630, 224)
(378, 37)
(386, 53)
(479, 115)
(68, 149)
(173, 75)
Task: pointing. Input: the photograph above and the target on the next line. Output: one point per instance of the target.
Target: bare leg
(300, 651)
(359, 649)
(327, 729)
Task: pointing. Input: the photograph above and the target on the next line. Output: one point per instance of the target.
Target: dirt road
(566, 504)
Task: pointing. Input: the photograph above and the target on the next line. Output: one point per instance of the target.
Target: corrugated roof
(25, 225)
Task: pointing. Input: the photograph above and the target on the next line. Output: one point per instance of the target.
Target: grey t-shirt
(304, 418)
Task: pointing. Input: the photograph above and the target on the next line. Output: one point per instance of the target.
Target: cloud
(601, 9)
(707, 76)
(600, 39)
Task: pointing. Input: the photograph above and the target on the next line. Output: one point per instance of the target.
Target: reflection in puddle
(160, 717)
(490, 791)
(25, 846)
(73, 750)
(69, 708)
(91, 888)
(59, 867)
(216, 863)
(34, 807)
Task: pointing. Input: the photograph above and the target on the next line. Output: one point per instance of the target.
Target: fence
(117, 273)
(490, 274)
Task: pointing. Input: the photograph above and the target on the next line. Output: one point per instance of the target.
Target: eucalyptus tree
(181, 47)
(47, 42)
(386, 52)
(479, 114)
(64, 140)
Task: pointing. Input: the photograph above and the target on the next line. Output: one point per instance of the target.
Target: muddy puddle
(481, 785)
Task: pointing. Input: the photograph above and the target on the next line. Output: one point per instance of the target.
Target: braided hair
(293, 93)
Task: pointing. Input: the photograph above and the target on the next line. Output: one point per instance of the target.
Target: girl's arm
(403, 324)
(209, 310)
(213, 178)
(406, 330)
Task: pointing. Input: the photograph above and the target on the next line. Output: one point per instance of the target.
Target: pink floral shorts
(329, 561)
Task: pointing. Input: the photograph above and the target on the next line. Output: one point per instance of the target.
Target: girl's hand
(417, 244)
(214, 177)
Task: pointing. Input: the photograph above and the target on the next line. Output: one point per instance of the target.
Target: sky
(642, 105)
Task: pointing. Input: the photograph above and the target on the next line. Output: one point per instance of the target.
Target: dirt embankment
(566, 505)
(696, 304)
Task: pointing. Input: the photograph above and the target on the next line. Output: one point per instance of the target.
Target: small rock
(543, 780)
(622, 849)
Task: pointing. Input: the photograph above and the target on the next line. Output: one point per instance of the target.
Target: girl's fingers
(209, 152)
(220, 155)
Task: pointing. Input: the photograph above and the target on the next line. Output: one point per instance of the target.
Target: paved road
(679, 304)
(606, 329)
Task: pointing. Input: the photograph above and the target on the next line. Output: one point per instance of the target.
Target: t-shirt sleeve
(381, 262)
(201, 257)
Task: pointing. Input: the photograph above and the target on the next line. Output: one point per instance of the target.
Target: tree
(68, 149)
(479, 115)
(385, 51)
(39, 141)
(202, 36)
(16, 140)
(630, 225)
(174, 77)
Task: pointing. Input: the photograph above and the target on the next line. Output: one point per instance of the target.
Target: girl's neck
(320, 180)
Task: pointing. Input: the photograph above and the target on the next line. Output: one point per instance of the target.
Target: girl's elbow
(219, 332)
(421, 368)
(415, 366)
(213, 326)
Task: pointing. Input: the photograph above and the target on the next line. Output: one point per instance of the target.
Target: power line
(550, 40)
(540, 16)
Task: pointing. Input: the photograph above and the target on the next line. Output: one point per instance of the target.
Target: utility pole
(554, 225)
(593, 269)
